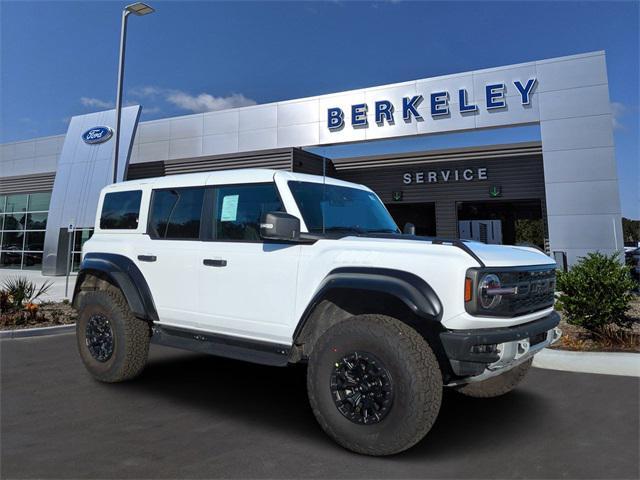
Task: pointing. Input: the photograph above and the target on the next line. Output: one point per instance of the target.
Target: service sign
(445, 176)
(97, 135)
(440, 104)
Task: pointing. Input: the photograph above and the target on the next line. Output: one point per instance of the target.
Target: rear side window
(239, 209)
(121, 210)
(175, 213)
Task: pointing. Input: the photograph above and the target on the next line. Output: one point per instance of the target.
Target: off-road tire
(415, 374)
(130, 334)
(497, 386)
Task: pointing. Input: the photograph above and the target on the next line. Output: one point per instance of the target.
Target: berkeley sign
(384, 110)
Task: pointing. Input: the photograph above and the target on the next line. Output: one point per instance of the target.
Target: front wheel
(374, 385)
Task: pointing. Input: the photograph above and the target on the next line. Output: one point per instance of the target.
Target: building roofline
(450, 154)
(34, 139)
(365, 87)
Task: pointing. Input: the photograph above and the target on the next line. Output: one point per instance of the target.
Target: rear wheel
(499, 385)
(112, 342)
(374, 385)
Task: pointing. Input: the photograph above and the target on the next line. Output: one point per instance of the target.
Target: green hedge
(596, 292)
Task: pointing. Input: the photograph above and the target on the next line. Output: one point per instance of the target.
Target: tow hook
(522, 349)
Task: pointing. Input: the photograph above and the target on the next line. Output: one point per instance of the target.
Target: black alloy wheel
(99, 337)
(362, 388)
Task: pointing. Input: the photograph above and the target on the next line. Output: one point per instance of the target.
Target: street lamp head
(139, 9)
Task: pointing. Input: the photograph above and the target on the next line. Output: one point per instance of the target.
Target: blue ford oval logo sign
(97, 135)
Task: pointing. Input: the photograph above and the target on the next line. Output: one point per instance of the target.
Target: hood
(508, 255)
(490, 255)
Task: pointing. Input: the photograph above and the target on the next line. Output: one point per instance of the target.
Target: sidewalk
(608, 363)
(55, 293)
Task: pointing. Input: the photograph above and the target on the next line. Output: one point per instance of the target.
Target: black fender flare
(412, 290)
(125, 275)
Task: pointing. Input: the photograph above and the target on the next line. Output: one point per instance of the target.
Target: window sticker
(229, 208)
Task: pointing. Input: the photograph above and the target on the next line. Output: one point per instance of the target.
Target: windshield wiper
(383, 230)
(344, 229)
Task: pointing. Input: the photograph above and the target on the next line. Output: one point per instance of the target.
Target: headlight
(488, 289)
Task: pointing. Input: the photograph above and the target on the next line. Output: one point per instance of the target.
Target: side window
(240, 208)
(175, 213)
(120, 210)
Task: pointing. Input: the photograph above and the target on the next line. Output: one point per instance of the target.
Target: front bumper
(486, 352)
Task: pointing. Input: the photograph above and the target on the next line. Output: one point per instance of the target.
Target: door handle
(217, 262)
(147, 258)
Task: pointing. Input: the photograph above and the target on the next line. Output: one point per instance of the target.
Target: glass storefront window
(34, 241)
(37, 221)
(14, 221)
(23, 221)
(79, 237)
(77, 259)
(12, 241)
(32, 261)
(16, 203)
(39, 202)
(10, 259)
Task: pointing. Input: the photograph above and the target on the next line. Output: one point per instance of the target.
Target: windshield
(331, 208)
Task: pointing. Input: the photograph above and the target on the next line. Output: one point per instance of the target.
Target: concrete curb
(38, 332)
(607, 363)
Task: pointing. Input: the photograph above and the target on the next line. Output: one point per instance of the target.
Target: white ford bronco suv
(276, 268)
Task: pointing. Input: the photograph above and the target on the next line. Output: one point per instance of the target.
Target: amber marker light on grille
(467, 289)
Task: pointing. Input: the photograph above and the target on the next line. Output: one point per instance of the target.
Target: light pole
(137, 9)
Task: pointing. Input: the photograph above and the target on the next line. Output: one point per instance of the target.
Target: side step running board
(236, 348)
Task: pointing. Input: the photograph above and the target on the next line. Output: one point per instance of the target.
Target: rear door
(168, 254)
(246, 285)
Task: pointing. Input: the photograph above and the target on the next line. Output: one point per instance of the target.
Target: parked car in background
(632, 259)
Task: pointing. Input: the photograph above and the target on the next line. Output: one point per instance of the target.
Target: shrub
(596, 292)
(18, 292)
(529, 232)
(5, 302)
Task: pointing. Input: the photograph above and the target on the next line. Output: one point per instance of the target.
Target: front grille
(535, 290)
(534, 285)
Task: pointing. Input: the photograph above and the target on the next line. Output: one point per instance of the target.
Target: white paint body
(263, 291)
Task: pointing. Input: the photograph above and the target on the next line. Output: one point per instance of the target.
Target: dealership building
(559, 193)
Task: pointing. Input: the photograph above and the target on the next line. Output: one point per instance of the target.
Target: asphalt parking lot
(193, 416)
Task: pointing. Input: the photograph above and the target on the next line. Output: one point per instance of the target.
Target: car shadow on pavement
(471, 424)
(276, 398)
(246, 392)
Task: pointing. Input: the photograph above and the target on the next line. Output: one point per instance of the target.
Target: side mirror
(280, 226)
(409, 229)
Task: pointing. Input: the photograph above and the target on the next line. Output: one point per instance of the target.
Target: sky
(59, 59)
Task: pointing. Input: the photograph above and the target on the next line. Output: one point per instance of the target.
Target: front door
(247, 286)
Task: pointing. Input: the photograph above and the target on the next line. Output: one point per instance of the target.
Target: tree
(630, 230)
